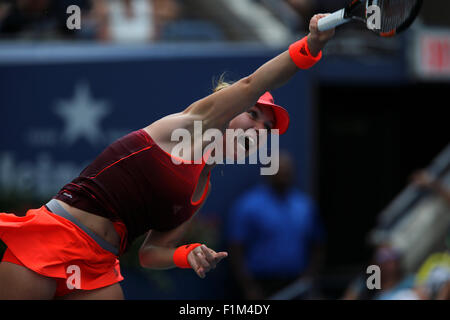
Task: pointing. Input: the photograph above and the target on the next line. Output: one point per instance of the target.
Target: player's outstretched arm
(217, 109)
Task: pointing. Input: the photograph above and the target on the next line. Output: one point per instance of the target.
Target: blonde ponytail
(221, 83)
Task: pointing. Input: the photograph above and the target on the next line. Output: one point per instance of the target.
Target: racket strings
(394, 13)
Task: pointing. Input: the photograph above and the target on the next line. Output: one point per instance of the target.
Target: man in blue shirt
(274, 235)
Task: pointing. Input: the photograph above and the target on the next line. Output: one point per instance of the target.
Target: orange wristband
(181, 253)
(301, 55)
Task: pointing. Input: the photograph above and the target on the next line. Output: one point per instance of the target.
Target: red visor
(281, 114)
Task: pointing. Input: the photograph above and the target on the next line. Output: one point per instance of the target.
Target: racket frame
(345, 15)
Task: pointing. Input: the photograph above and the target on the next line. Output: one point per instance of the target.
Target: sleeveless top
(135, 182)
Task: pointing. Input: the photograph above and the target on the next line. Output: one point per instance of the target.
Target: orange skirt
(55, 247)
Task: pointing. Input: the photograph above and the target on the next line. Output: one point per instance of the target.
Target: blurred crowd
(161, 20)
(276, 243)
(102, 20)
(138, 21)
(275, 235)
(431, 281)
(141, 21)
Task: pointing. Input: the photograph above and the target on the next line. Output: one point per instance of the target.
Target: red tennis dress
(134, 183)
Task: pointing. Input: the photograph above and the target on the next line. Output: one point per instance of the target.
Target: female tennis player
(69, 247)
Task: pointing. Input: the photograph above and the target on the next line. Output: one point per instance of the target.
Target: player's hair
(221, 83)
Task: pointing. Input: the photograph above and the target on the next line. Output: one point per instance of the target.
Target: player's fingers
(199, 257)
(314, 18)
(201, 260)
(200, 272)
(220, 255)
(209, 256)
(195, 266)
(322, 15)
(217, 255)
(313, 24)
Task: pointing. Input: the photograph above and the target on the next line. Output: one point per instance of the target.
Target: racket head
(396, 15)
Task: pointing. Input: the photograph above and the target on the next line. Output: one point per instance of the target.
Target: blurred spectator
(134, 20)
(393, 280)
(37, 19)
(432, 281)
(274, 234)
(425, 180)
(25, 16)
(88, 23)
(166, 11)
(433, 277)
(123, 21)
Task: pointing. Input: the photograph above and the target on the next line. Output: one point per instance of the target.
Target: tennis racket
(394, 15)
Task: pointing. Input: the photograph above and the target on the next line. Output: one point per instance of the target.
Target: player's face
(257, 117)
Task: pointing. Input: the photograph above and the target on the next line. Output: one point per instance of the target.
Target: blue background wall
(137, 90)
(137, 86)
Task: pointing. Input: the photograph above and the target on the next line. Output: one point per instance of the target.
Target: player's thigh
(18, 282)
(112, 292)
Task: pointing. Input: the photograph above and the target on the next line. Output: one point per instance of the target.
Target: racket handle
(332, 21)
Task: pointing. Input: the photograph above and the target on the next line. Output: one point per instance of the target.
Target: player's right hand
(316, 35)
(203, 259)
(317, 39)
